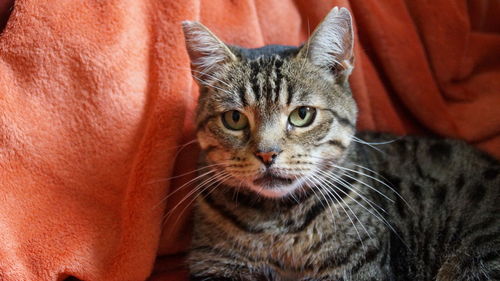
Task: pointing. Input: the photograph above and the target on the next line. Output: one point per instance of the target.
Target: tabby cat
(290, 191)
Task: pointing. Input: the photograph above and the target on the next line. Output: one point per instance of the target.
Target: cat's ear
(331, 44)
(207, 52)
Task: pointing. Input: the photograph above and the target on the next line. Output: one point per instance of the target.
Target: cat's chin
(275, 187)
(275, 192)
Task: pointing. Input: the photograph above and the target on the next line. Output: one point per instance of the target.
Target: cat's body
(448, 218)
(288, 192)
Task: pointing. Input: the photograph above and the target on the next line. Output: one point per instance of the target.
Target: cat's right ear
(207, 52)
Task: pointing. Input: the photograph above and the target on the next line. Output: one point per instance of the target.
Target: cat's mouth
(269, 180)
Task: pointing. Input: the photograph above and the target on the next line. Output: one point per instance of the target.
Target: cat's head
(269, 118)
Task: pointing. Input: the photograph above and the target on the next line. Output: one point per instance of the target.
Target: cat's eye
(302, 116)
(234, 120)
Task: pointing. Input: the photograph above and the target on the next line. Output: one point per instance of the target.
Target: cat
(290, 191)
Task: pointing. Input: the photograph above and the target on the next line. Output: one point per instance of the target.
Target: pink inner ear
(6, 7)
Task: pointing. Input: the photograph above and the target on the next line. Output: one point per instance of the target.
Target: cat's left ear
(331, 44)
(207, 52)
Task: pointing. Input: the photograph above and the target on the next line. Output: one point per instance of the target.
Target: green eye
(302, 116)
(234, 120)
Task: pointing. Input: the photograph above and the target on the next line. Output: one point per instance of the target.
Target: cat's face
(269, 119)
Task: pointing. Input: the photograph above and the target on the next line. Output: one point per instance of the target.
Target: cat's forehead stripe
(242, 93)
(266, 79)
(254, 68)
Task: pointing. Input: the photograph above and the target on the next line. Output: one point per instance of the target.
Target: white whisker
(184, 174)
(345, 211)
(219, 181)
(378, 215)
(378, 180)
(375, 143)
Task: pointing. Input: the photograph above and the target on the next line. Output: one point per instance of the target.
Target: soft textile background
(96, 99)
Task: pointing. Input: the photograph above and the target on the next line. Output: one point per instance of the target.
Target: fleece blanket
(96, 105)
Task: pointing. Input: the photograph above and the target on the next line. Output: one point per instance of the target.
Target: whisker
(313, 187)
(378, 215)
(356, 179)
(181, 187)
(184, 174)
(181, 145)
(378, 180)
(219, 182)
(376, 143)
(347, 205)
(190, 193)
(355, 139)
(197, 190)
(184, 146)
(344, 183)
(369, 186)
(203, 73)
(211, 76)
(354, 189)
(213, 86)
(345, 211)
(372, 171)
(307, 47)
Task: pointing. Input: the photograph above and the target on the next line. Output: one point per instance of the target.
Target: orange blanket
(96, 99)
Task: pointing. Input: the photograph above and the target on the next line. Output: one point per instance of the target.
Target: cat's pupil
(302, 112)
(236, 116)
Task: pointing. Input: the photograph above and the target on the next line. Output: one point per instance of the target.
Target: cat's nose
(267, 157)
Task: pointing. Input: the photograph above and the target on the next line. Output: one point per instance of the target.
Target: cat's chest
(293, 244)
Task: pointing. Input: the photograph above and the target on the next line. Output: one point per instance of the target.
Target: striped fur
(409, 209)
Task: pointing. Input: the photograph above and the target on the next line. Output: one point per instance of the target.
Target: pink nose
(267, 157)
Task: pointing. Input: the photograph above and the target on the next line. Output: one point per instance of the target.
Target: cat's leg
(217, 271)
(211, 264)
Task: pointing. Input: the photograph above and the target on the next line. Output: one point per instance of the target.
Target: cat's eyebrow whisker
(355, 139)
(375, 143)
(307, 47)
(213, 86)
(211, 76)
(203, 73)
